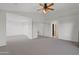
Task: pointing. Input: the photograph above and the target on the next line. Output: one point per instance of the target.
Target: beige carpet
(39, 46)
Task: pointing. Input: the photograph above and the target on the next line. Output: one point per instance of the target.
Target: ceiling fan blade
(50, 8)
(50, 4)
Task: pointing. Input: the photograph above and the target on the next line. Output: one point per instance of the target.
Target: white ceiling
(32, 7)
(22, 7)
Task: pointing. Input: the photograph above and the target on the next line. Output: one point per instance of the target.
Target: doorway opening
(54, 31)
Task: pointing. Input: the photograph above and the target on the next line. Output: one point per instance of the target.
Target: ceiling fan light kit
(46, 7)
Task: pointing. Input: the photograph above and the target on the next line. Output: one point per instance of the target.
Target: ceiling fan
(46, 7)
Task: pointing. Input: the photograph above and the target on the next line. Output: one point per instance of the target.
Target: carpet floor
(38, 46)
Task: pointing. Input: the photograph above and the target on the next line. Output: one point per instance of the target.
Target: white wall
(65, 30)
(47, 29)
(35, 29)
(14, 28)
(28, 29)
(38, 28)
(37, 23)
(2, 28)
(68, 28)
(29, 24)
(41, 28)
(68, 24)
(18, 25)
